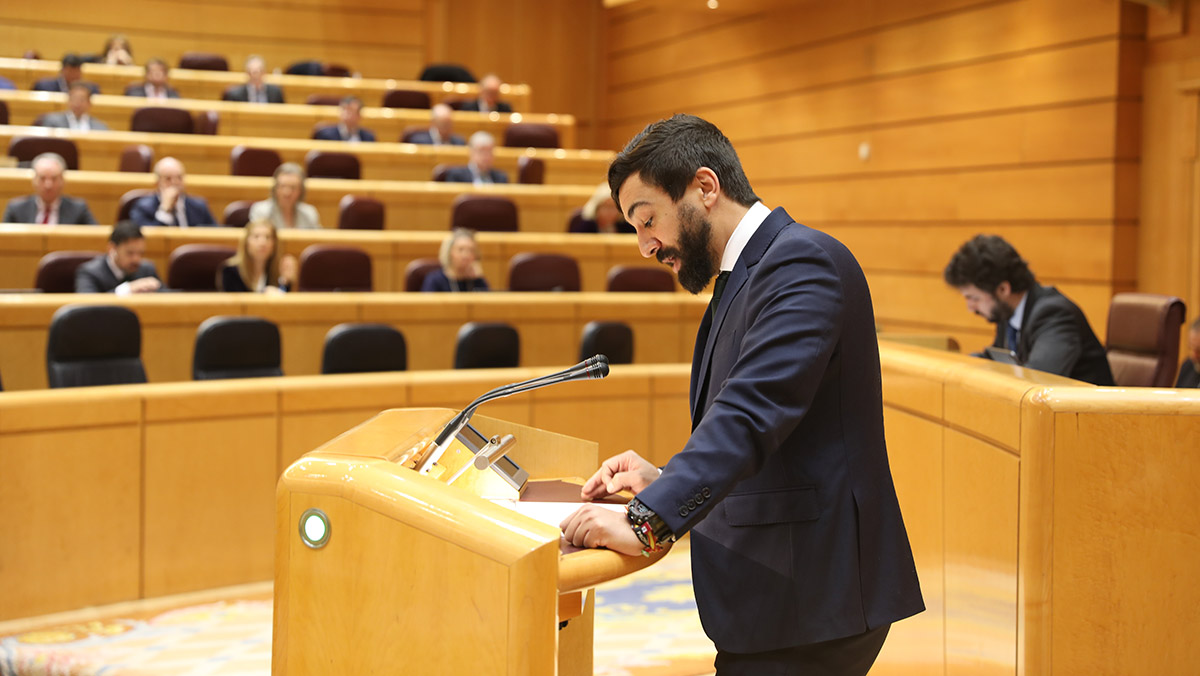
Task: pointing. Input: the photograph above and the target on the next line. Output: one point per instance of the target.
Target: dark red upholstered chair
(323, 100)
(484, 213)
(56, 270)
(416, 272)
(206, 122)
(325, 267)
(162, 120)
(125, 204)
(487, 345)
(137, 157)
(25, 148)
(543, 272)
(248, 161)
(405, 98)
(1143, 339)
(531, 170)
(327, 164)
(3, 113)
(364, 348)
(237, 213)
(360, 213)
(194, 267)
(335, 70)
(611, 339)
(203, 61)
(530, 135)
(640, 278)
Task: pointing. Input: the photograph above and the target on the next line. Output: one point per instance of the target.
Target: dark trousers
(849, 656)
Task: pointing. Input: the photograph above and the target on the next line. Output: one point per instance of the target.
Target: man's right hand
(627, 471)
(169, 196)
(144, 285)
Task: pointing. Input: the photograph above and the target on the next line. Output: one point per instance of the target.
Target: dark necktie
(1012, 337)
(718, 289)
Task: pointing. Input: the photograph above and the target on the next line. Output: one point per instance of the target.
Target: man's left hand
(595, 526)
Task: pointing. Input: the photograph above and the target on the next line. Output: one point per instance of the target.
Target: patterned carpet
(646, 625)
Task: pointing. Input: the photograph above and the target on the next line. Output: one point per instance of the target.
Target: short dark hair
(667, 153)
(987, 260)
(124, 231)
(72, 60)
(157, 62)
(79, 84)
(347, 100)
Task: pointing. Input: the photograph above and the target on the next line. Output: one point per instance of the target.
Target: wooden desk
(284, 120)
(209, 84)
(410, 205)
(550, 325)
(201, 154)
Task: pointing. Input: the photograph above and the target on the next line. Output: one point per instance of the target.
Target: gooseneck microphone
(592, 368)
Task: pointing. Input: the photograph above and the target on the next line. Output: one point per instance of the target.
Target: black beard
(1001, 313)
(697, 260)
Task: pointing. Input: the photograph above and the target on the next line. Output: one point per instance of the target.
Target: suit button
(705, 492)
(683, 511)
(691, 504)
(699, 498)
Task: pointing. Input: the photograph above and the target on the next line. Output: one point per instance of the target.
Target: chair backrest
(1143, 339)
(640, 278)
(446, 72)
(56, 270)
(335, 70)
(138, 157)
(611, 339)
(237, 213)
(440, 171)
(530, 135)
(163, 120)
(25, 148)
(306, 68)
(125, 204)
(3, 113)
(407, 134)
(360, 213)
(487, 345)
(236, 347)
(203, 61)
(94, 345)
(531, 170)
(543, 272)
(206, 122)
(248, 161)
(405, 98)
(416, 272)
(484, 213)
(194, 267)
(364, 348)
(323, 99)
(324, 267)
(328, 164)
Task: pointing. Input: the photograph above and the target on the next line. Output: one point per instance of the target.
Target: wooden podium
(417, 576)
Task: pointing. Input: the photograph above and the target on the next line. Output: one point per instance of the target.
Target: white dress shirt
(742, 233)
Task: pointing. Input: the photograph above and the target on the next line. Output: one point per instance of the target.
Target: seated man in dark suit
(1189, 372)
(170, 204)
(1040, 326)
(255, 90)
(122, 270)
(489, 97)
(78, 115)
(71, 72)
(156, 85)
(441, 129)
(347, 129)
(48, 205)
(482, 151)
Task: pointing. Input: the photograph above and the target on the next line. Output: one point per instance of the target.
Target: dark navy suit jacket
(145, 208)
(784, 484)
(333, 133)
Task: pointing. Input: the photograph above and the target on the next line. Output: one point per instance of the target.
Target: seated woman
(460, 270)
(600, 214)
(286, 208)
(117, 51)
(257, 266)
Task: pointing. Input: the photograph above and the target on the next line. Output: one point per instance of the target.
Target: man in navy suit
(123, 270)
(70, 73)
(481, 153)
(255, 90)
(347, 128)
(156, 85)
(441, 129)
(800, 558)
(170, 204)
(489, 97)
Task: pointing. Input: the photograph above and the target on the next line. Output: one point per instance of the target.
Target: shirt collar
(117, 272)
(742, 233)
(1018, 314)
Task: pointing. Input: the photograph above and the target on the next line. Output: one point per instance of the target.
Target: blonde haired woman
(257, 266)
(286, 207)
(460, 269)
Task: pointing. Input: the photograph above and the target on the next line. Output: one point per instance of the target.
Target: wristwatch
(649, 527)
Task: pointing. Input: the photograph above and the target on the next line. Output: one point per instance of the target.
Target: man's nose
(647, 244)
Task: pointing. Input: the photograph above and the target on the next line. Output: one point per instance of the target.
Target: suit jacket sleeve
(143, 211)
(1055, 340)
(10, 212)
(203, 215)
(86, 279)
(794, 313)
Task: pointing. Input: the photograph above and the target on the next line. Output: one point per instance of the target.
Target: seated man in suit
(71, 72)
(347, 129)
(255, 90)
(48, 205)
(170, 204)
(482, 152)
(78, 115)
(1041, 327)
(122, 270)
(1189, 372)
(156, 85)
(441, 129)
(489, 97)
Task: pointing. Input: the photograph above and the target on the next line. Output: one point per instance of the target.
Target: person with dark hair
(78, 115)
(71, 72)
(170, 204)
(347, 128)
(258, 265)
(286, 207)
(255, 90)
(48, 205)
(156, 85)
(441, 129)
(123, 270)
(461, 270)
(800, 558)
(480, 169)
(1189, 371)
(1038, 325)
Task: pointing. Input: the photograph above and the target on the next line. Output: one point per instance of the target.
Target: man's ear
(709, 185)
(1004, 291)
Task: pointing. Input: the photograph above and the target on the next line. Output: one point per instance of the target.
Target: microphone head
(603, 370)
